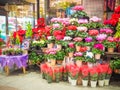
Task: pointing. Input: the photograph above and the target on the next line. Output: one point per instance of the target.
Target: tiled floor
(33, 81)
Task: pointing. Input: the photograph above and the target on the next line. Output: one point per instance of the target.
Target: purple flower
(101, 37)
(88, 39)
(99, 46)
(82, 21)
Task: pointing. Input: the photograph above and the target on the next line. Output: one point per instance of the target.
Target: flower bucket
(79, 63)
(73, 82)
(85, 83)
(106, 82)
(93, 83)
(101, 83)
(110, 50)
(70, 54)
(77, 48)
(69, 79)
(50, 45)
(59, 47)
(90, 65)
(97, 56)
(53, 62)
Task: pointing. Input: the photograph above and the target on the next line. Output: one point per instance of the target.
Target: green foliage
(51, 56)
(97, 51)
(117, 34)
(109, 44)
(79, 14)
(94, 77)
(68, 50)
(115, 63)
(102, 76)
(70, 33)
(79, 43)
(60, 55)
(92, 60)
(89, 44)
(81, 58)
(95, 25)
(81, 34)
(28, 30)
(17, 40)
(64, 43)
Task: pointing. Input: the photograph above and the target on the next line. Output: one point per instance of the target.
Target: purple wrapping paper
(20, 60)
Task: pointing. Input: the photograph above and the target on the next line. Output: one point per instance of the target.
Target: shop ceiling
(12, 2)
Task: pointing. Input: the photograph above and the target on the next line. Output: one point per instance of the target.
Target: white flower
(67, 38)
(89, 54)
(82, 28)
(49, 37)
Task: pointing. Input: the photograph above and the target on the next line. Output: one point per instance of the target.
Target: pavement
(32, 80)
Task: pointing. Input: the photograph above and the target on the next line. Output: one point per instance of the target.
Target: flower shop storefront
(72, 49)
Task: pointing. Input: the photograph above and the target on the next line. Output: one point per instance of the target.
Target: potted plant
(85, 76)
(110, 44)
(73, 73)
(115, 64)
(50, 42)
(18, 52)
(57, 74)
(79, 57)
(50, 55)
(49, 74)
(93, 77)
(81, 34)
(60, 56)
(98, 49)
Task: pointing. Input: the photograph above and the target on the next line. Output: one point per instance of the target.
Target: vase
(59, 47)
(59, 62)
(93, 83)
(85, 83)
(110, 50)
(90, 65)
(73, 82)
(53, 62)
(79, 63)
(106, 82)
(101, 83)
(77, 48)
(50, 45)
(97, 56)
(70, 54)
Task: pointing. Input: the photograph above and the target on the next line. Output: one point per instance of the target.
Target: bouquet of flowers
(85, 73)
(93, 74)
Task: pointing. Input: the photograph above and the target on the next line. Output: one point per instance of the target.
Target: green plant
(92, 60)
(28, 30)
(68, 50)
(117, 34)
(94, 77)
(95, 25)
(59, 42)
(79, 14)
(81, 34)
(79, 43)
(60, 55)
(115, 63)
(89, 44)
(97, 51)
(109, 44)
(70, 33)
(18, 52)
(102, 76)
(81, 58)
(17, 40)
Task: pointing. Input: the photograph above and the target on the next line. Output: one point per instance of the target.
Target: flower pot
(79, 63)
(84, 83)
(69, 79)
(70, 54)
(53, 62)
(106, 82)
(97, 56)
(101, 83)
(59, 47)
(90, 65)
(93, 83)
(77, 48)
(50, 45)
(110, 50)
(59, 62)
(88, 48)
(73, 82)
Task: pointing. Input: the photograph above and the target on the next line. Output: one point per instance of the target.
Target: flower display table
(8, 61)
(111, 55)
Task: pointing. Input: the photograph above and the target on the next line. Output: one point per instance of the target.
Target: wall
(94, 7)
